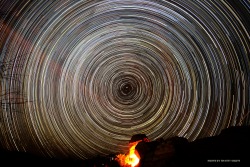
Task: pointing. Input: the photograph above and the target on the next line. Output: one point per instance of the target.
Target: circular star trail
(79, 78)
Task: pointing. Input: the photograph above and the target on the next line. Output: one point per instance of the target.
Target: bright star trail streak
(80, 77)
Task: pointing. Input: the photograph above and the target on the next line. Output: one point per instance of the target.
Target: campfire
(131, 159)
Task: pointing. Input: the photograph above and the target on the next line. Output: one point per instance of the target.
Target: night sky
(78, 78)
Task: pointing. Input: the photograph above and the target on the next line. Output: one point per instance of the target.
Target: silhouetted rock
(160, 153)
(138, 137)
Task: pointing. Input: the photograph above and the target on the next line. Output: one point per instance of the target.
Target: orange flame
(131, 159)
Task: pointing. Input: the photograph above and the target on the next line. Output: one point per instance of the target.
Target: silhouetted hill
(230, 148)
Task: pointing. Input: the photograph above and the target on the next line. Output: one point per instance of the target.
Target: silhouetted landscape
(229, 148)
